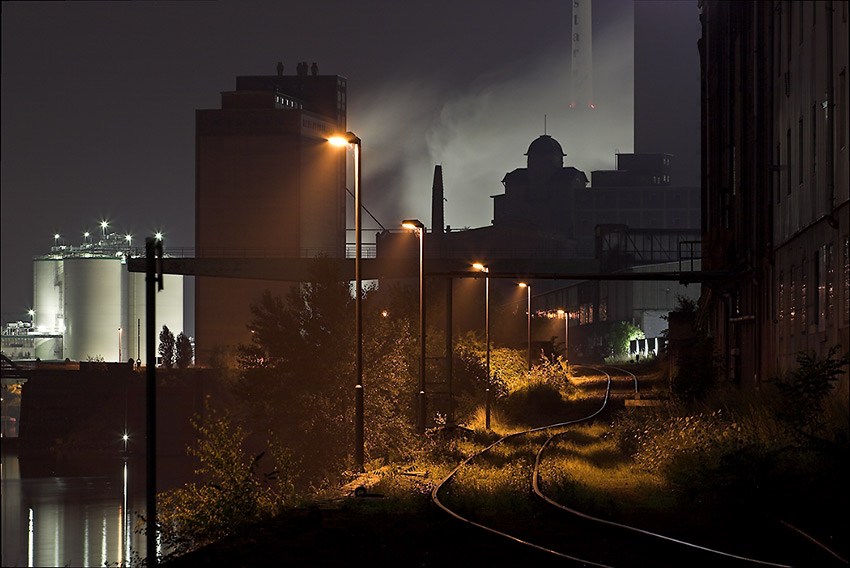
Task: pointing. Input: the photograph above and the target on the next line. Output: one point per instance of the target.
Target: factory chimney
(581, 55)
(438, 221)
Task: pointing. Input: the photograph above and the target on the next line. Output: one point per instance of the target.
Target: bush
(696, 373)
(236, 493)
(531, 402)
(805, 391)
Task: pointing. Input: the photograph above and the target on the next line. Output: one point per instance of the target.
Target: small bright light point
(158, 235)
(385, 313)
(409, 226)
(129, 238)
(56, 236)
(338, 141)
(592, 106)
(480, 267)
(560, 312)
(522, 285)
(31, 312)
(86, 234)
(125, 437)
(104, 224)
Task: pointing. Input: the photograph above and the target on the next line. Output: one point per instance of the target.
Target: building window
(842, 106)
(800, 151)
(830, 281)
(804, 277)
(846, 280)
(778, 39)
(814, 164)
(788, 161)
(820, 286)
(603, 311)
(778, 163)
(792, 291)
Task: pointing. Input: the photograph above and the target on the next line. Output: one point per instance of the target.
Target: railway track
(587, 540)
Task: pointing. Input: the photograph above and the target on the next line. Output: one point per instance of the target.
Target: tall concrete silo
(48, 304)
(93, 308)
(169, 311)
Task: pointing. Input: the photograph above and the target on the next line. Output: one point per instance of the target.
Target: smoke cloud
(482, 133)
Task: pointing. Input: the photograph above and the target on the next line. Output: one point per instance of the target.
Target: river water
(80, 512)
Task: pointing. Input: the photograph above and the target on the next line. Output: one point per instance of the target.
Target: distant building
(267, 184)
(631, 219)
(776, 208)
(86, 305)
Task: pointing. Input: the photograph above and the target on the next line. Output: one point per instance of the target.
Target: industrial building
(776, 208)
(267, 185)
(87, 306)
(632, 219)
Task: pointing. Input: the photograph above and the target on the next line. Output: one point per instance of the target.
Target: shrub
(236, 492)
(804, 393)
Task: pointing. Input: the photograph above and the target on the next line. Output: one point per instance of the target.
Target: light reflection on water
(72, 521)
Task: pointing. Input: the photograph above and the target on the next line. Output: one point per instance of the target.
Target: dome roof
(545, 145)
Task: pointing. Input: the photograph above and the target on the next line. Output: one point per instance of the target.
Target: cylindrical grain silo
(47, 294)
(93, 308)
(169, 311)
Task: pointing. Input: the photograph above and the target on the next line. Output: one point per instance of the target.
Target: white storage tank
(47, 294)
(169, 311)
(93, 308)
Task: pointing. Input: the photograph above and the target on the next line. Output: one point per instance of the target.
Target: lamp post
(528, 287)
(349, 139)
(417, 226)
(480, 267)
(566, 337)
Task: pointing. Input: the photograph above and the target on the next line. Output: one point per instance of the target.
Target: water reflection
(72, 521)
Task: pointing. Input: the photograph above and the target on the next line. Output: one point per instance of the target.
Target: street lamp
(103, 226)
(481, 268)
(528, 287)
(349, 139)
(417, 226)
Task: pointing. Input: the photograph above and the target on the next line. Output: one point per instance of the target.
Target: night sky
(98, 103)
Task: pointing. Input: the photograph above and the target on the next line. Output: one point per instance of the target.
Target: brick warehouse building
(267, 185)
(775, 206)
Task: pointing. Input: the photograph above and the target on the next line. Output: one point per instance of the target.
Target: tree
(184, 354)
(619, 336)
(297, 374)
(166, 347)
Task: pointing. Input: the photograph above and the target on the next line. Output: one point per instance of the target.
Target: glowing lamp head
(522, 285)
(480, 267)
(86, 234)
(104, 224)
(385, 313)
(561, 312)
(158, 235)
(412, 224)
(344, 139)
(31, 312)
(129, 238)
(56, 236)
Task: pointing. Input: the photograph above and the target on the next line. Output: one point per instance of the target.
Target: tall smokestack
(581, 56)
(438, 221)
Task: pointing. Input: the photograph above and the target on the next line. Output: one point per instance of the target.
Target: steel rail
(535, 485)
(436, 498)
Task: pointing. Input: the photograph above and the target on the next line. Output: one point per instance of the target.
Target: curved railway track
(646, 547)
